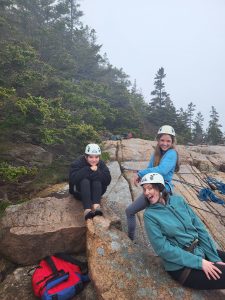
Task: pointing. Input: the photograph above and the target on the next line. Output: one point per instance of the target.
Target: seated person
(180, 238)
(165, 161)
(88, 180)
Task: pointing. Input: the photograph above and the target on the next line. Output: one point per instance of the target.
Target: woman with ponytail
(164, 161)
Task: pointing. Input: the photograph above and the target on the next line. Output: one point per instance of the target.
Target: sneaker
(89, 215)
(98, 212)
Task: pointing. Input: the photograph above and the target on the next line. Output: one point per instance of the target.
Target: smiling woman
(164, 161)
(88, 180)
(180, 238)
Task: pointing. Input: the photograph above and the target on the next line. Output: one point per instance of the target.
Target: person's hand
(210, 269)
(136, 179)
(94, 168)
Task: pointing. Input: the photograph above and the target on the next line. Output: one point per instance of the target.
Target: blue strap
(58, 280)
(85, 277)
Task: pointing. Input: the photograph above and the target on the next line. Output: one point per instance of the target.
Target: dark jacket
(80, 169)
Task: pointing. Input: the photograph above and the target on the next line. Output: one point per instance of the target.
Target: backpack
(59, 277)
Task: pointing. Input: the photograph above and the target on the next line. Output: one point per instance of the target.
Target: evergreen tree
(190, 114)
(198, 132)
(161, 108)
(214, 133)
(182, 129)
(159, 93)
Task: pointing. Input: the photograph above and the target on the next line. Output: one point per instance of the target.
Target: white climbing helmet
(166, 129)
(152, 178)
(92, 149)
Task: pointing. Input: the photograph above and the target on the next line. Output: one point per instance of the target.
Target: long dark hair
(158, 154)
(163, 192)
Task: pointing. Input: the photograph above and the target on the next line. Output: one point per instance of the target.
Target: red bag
(58, 277)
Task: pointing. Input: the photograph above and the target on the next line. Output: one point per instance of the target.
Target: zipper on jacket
(179, 217)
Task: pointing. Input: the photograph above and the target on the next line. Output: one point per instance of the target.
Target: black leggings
(91, 192)
(198, 280)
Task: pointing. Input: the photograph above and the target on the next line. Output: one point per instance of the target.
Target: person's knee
(84, 181)
(97, 183)
(129, 210)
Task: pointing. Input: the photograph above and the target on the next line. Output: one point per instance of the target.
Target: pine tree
(161, 108)
(214, 133)
(190, 114)
(159, 93)
(182, 129)
(198, 132)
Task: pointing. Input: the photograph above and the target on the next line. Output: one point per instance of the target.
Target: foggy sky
(185, 37)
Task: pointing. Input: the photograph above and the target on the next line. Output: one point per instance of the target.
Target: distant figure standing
(88, 180)
(164, 161)
(129, 135)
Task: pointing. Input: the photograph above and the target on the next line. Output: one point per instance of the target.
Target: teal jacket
(172, 227)
(166, 167)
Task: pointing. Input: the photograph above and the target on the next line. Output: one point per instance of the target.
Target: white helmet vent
(166, 129)
(93, 149)
(152, 178)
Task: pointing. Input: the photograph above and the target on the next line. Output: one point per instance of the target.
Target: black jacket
(80, 169)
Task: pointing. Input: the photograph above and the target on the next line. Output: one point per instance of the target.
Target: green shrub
(10, 174)
(3, 206)
(105, 156)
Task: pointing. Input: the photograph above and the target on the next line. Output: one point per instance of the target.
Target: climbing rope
(210, 212)
(220, 186)
(203, 193)
(207, 194)
(187, 183)
(221, 217)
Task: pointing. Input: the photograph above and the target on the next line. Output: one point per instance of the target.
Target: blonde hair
(158, 154)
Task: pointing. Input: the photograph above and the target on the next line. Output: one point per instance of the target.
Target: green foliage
(214, 134)
(54, 173)
(57, 91)
(56, 56)
(161, 108)
(22, 68)
(10, 174)
(3, 206)
(79, 135)
(160, 95)
(198, 132)
(105, 156)
(190, 114)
